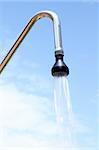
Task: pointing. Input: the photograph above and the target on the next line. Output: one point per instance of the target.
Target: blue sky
(28, 76)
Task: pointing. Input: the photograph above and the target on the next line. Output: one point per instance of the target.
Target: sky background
(26, 84)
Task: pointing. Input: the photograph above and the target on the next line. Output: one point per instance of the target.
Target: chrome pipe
(57, 34)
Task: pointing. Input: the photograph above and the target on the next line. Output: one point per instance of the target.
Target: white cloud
(25, 120)
(28, 121)
(22, 116)
(19, 109)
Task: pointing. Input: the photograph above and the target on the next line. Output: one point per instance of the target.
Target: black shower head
(59, 68)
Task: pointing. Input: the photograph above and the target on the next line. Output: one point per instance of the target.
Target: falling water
(63, 108)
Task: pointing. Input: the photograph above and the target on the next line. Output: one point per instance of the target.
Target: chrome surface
(36, 17)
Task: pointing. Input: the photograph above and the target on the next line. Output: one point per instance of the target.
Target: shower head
(59, 68)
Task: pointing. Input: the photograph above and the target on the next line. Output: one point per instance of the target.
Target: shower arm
(36, 17)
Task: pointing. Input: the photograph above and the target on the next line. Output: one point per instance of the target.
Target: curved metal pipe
(37, 16)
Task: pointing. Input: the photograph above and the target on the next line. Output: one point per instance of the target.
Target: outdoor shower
(63, 106)
(59, 68)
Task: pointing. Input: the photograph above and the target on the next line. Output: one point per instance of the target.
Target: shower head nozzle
(59, 68)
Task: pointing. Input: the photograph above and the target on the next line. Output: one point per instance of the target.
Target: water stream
(63, 108)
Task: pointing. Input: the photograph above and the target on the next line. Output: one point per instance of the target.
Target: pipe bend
(56, 28)
(47, 13)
